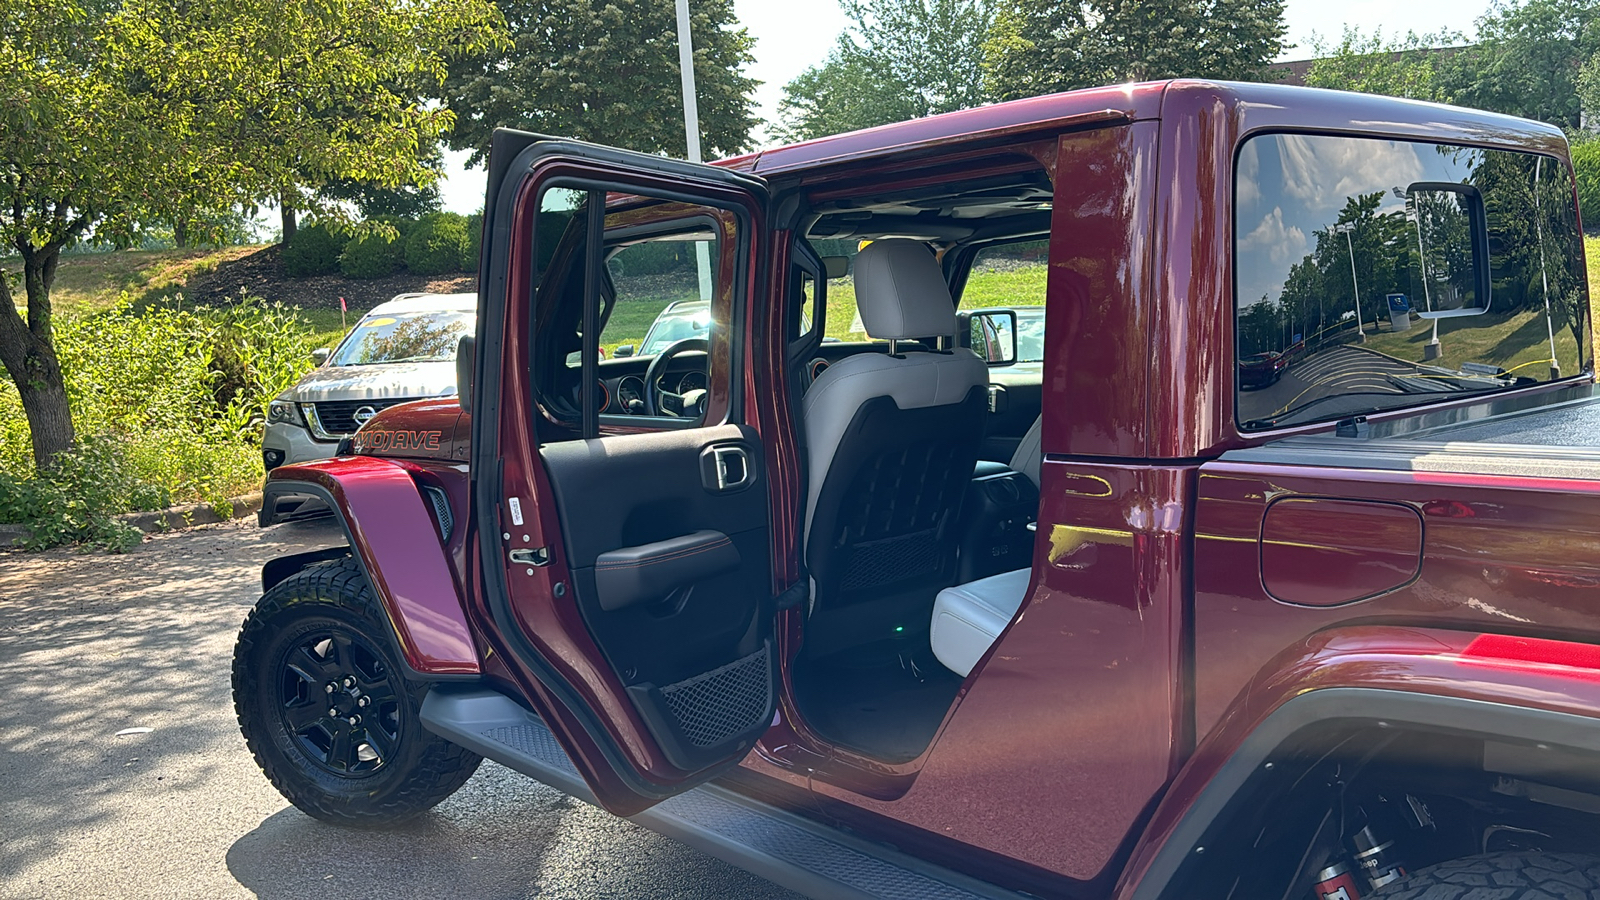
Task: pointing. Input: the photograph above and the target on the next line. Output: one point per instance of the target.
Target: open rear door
(621, 498)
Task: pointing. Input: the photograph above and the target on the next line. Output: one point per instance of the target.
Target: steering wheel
(658, 401)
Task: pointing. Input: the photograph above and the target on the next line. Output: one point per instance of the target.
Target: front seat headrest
(900, 292)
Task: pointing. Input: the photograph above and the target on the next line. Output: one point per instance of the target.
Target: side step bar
(780, 846)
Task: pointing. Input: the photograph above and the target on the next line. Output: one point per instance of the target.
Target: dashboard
(625, 393)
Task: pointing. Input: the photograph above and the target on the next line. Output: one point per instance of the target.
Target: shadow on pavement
(91, 644)
(502, 836)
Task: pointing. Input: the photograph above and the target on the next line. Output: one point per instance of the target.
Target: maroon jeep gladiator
(1264, 563)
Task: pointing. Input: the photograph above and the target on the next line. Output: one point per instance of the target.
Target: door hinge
(536, 556)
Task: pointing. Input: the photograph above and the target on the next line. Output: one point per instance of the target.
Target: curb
(171, 519)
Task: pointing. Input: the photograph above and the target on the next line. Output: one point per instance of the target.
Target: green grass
(1017, 287)
(89, 282)
(1517, 342)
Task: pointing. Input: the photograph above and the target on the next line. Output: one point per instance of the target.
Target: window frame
(593, 423)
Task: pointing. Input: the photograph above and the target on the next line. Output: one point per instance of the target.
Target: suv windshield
(404, 337)
(677, 322)
(1377, 274)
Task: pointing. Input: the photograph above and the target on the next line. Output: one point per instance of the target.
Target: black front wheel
(327, 709)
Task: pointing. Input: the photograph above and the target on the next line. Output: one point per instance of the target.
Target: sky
(791, 36)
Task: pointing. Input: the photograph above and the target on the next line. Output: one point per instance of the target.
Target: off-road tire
(419, 771)
(1501, 876)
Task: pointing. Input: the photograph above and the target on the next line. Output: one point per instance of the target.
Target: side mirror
(1448, 229)
(990, 333)
(320, 355)
(622, 351)
(466, 364)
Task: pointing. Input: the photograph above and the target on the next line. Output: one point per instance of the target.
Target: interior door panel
(670, 561)
(1015, 401)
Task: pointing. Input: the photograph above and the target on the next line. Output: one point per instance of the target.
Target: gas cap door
(1317, 551)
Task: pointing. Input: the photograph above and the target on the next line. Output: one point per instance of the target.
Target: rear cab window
(1377, 274)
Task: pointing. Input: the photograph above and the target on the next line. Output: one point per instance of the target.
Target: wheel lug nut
(354, 720)
(331, 687)
(362, 702)
(349, 681)
(333, 713)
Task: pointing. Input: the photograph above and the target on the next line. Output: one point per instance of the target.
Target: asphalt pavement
(94, 644)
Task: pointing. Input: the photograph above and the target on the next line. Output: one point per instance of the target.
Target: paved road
(1338, 371)
(92, 644)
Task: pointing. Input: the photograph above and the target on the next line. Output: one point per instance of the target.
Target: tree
(606, 71)
(1410, 67)
(1043, 46)
(898, 60)
(113, 112)
(1528, 59)
(406, 201)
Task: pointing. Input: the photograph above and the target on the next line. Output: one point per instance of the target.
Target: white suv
(402, 350)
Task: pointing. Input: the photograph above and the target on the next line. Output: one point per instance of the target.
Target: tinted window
(660, 295)
(1375, 274)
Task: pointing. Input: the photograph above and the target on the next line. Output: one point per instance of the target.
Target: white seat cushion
(969, 617)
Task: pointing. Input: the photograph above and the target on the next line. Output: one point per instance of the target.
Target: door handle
(732, 466)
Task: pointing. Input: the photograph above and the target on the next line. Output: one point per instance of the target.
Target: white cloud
(1280, 241)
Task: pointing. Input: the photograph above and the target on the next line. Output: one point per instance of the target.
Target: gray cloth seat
(891, 439)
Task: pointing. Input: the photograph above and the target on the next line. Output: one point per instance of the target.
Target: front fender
(1466, 683)
(392, 534)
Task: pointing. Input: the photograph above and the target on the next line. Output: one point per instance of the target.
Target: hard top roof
(1258, 104)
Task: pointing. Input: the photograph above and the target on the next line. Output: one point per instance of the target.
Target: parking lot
(92, 645)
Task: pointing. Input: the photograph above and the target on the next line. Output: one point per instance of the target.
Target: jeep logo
(364, 414)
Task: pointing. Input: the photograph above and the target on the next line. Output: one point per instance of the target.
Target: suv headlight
(284, 412)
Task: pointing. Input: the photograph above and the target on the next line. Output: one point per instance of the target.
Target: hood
(383, 381)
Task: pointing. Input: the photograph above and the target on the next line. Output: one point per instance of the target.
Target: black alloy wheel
(339, 702)
(329, 709)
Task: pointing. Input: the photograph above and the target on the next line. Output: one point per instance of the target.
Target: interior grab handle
(732, 466)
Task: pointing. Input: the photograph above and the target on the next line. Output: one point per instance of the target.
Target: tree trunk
(180, 233)
(49, 415)
(27, 349)
(289, 223)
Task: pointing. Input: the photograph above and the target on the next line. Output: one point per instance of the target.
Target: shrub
(474, 250)
(314, 250)
(77, 500)
(170, 401)
(374, 254)
(436, 244)
(1586, 166)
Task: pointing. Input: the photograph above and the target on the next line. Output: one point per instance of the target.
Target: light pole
(691, 129)
(1345, 229)
(1430, 350)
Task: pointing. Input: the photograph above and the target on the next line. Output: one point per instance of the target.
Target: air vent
(441, 509)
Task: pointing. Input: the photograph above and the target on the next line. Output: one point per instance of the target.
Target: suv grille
(338, 417)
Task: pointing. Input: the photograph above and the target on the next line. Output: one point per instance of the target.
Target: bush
(170, 403)
(1586, 166)
(314, 250)
(78, 499)
(474, 250)
(437, 244)
(374, 254)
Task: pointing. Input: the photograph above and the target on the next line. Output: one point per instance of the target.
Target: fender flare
(1528, 701)
(392, 535)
